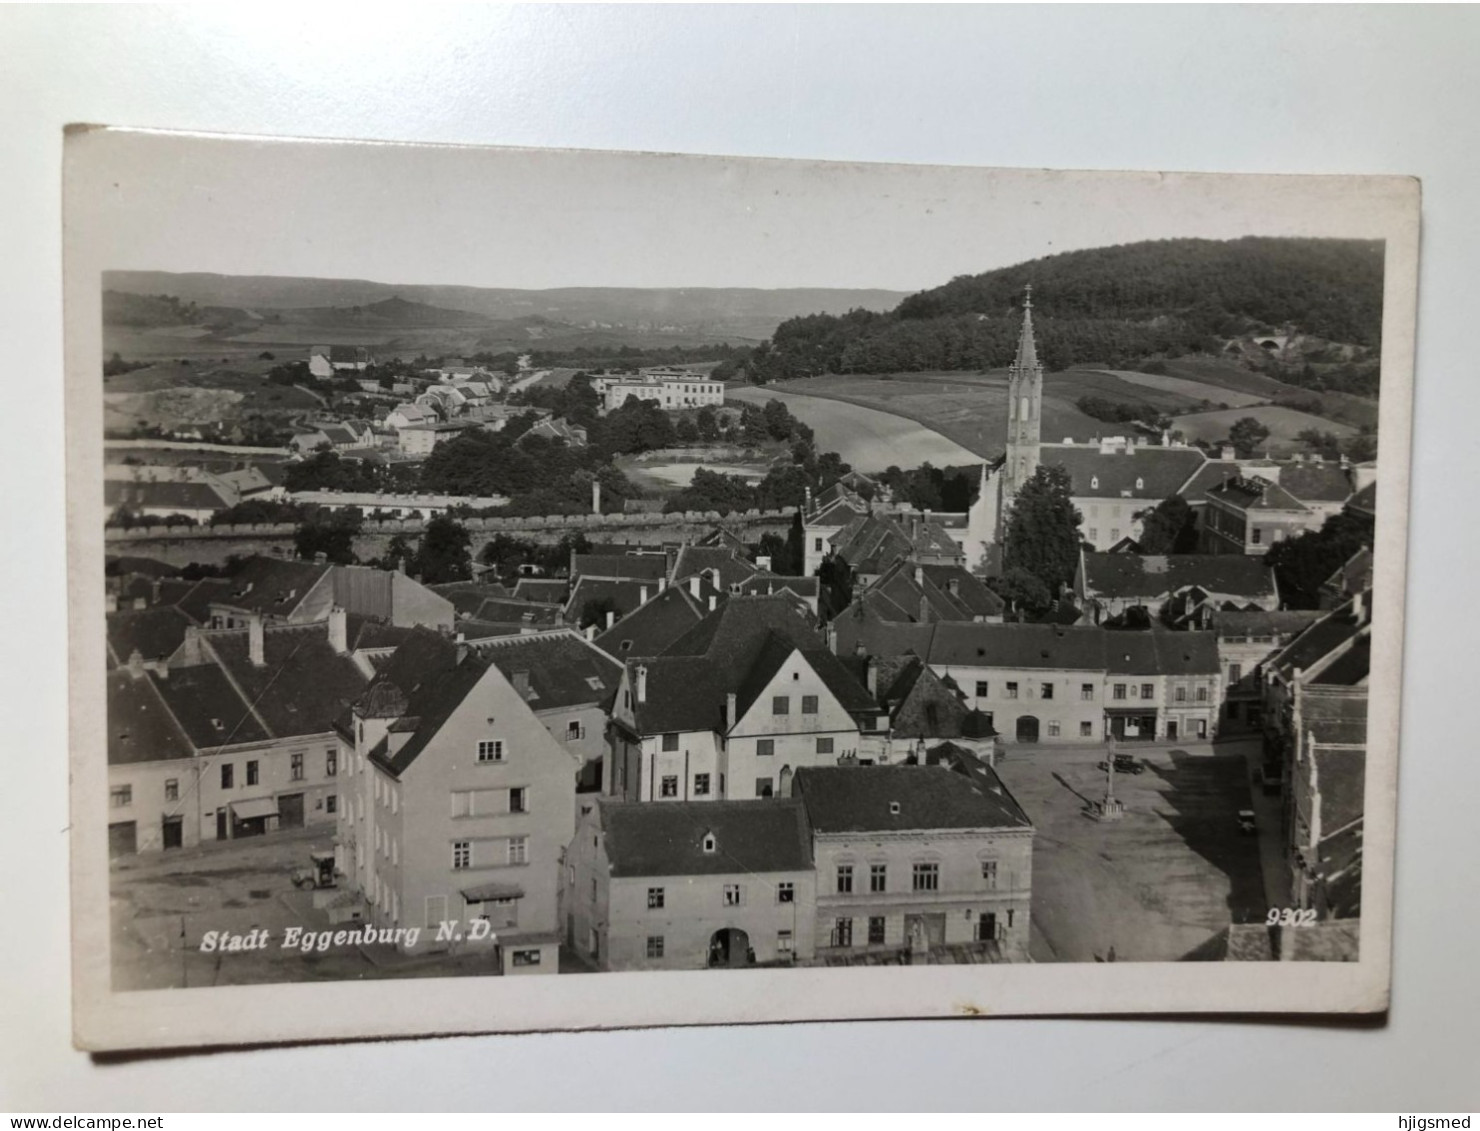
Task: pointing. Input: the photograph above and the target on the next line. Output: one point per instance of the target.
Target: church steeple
(1024, 407)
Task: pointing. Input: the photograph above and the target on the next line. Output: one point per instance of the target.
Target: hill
(1121, 306)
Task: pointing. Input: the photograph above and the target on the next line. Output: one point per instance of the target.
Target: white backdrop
(1317, 89)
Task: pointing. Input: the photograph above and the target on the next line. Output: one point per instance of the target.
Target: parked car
(1124, 764)
(1248, 825)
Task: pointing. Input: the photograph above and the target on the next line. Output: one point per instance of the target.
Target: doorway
(729, 946)
(1027, 728)
(173, 832)
(290, 811)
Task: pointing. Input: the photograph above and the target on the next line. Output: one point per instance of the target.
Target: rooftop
(744, 838)
(1155, 576)
(867, 799)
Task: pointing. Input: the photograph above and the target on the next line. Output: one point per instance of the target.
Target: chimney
(1226, 452)
(763, 561)
(190, 650)
(590, 632)
(256, 648)
(611, 617)
(924, 609)
(871, 676)
(136, 664)
(732, 708)
(830, 634)
(642, 683)
(953, 586)
(694, 584)
(642, 594)
(1359, 608)
(154, 592)
(713, 601)
(807, 496)
(338, 630)
(595, 496)
(520, 680)
(920, 576)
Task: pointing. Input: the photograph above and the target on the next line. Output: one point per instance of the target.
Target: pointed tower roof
(1027, 351)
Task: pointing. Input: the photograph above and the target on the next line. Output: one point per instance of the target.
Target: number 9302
(1290, 917)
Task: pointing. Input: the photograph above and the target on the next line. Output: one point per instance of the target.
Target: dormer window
(894, 808)
(711, 846)
(1140, 484)
(1094, 483)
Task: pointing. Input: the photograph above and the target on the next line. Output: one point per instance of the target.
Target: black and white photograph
(819, 589)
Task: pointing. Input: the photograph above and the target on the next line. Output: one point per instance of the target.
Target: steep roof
(1161, 653)
(741, 625)
(1260, 623)
(207, 707)
(766, 584)
(140, 726)
(302, 686)
(653, 627)
(874, 542)
(561, 670)
(507, 610)
(755, 837)
(1144, 472)
(550, 589)
(186, 496)
(1318, 641)
(1018, 646)
(153, 633)
(1209, 475)
(1255, 493)
(468, 596)
(1316, 482)
(732, 569)
(865, 624)
(1155, 576)
(1364, 500)
(271, 586)
(1334, 718)
(635, 567)
(863, 799)
(623, 595)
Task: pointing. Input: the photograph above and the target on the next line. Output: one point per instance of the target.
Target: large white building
(668, 389)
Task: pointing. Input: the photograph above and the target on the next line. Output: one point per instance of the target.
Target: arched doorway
(729, 946)
(784, 789)
(1027, 728)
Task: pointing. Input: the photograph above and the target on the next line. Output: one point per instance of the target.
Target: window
(786, 892)
(227, 774)
(825, 745)
(989, 873)
(878, 877)
(526, 958)
(734, 895)
(331, 803)
(926, 877)
(845, 879)
(490, 750)
(1045, 691)
(783, 942)
(1256, 536)
(295, 763)
(655, 946)
(1118, 692)
(1086, 729)
(1087, 691)
(809, 704)
(1053, 728)
(668, 787)
(842, 932)
(1202, 694)
(981, 689)
(573, 730)
(1202, 728)
(1115, 534)
(252, 774)
(1181, 695)
(1235, 673)
(817, 545)
(519, 800)
(172, 789)
(670, 742)
(781, 705)
(710, 844)
(122, 796)
(462, 854)
(701, 785)
(876, 930)
(1094, 533)
(519, 850)
(1012, 690)
(655, 898)
(331, 763)
(1147, 691)
(765, 787)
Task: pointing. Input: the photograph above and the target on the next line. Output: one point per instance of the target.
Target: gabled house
(1178, 585)
(650, 628)
(734, 707)
(460, 806)
(1248, 515)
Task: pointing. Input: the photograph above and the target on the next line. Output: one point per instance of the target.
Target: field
(666, 478)
(205, 392)
(1283, 424)
(1183, 386)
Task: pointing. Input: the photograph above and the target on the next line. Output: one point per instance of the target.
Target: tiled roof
(1260, 623)
(1156, 576)
(649, 630)
(702, 559)
(303, 684)
(159, 495)
(1316, 482)
(1318, 641)
(874, 542)
(750, 837)
(877, 630)
(1145, 472)
(623, 595)
(207, 707)
(1338, 719)
(1365, 499)
(1255, 493)
(1341, 779)
(467, 596)
(154, 633)
(739, 628)
(542, 589)
(1018, 646)
(148, 567)
(1161, 653)
(863, 799)
(1351, 668)
(637, 567)
(196, 603)
(271, 586)
(562, 671)
(766, 584)
(140, 726)
(507, 610)
(1211, 474)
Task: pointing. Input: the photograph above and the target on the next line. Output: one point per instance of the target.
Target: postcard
(521, 590)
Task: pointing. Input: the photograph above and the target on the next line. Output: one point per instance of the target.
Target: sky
(448, 215)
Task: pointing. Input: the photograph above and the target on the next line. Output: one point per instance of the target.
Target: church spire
(1027, 350)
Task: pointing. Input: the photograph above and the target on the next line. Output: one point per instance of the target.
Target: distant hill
(716, 313)
(1114, 306)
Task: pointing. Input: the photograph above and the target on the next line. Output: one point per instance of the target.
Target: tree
(331, 533)
(1246, 435)
(686, 431)
(443, 553)
(1043, 530)
(1170, 527)
(595, 610)
(1302, 565)
(1023, 591)
(708, 424)
(1325, 444)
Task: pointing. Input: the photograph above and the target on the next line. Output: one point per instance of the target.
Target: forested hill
(1112, 305)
